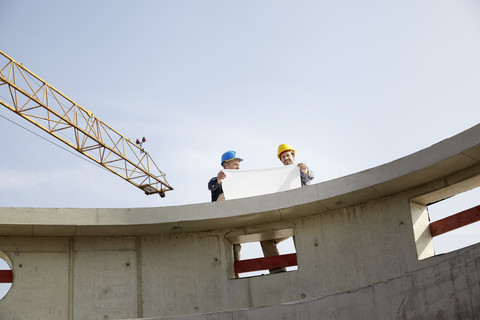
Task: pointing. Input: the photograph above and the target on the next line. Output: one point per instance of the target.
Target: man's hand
(303, 167)
(220, 176)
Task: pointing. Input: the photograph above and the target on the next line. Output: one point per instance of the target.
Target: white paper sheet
(247, 183)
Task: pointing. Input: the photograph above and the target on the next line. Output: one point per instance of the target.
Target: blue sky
(350, 84)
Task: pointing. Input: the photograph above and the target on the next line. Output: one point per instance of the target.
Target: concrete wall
(358, 239)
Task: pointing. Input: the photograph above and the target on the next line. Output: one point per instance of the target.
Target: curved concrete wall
(358, 241)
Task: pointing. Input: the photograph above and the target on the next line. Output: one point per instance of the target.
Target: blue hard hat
(230, 155)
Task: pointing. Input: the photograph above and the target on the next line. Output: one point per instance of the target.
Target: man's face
(287, 157)
(232, 164)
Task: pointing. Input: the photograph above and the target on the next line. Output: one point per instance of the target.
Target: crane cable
(52, 142)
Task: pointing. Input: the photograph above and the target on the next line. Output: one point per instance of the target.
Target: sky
(350, 84)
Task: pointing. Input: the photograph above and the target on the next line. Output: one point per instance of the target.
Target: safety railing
(455, 221)
(266, 263)
(6, 276)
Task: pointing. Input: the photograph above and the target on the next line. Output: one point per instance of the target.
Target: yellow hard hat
(284, 147)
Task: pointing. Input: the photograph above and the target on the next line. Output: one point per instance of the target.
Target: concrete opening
(432, 209)
(263, 253)
(253, 250)
(461, 237)
(5, 274)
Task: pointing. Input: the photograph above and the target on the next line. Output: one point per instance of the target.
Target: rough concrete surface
(363, 246)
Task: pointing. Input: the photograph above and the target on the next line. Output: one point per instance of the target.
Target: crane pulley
(41, 104)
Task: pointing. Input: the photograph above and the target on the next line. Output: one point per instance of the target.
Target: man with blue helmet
(230, 160)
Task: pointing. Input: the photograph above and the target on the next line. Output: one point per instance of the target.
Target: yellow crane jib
(33, 99)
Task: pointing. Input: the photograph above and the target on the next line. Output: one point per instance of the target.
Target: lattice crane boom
(41, 104)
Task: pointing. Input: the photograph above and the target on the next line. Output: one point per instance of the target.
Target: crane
(41, 104)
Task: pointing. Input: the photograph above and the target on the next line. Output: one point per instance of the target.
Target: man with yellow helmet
(286, 154)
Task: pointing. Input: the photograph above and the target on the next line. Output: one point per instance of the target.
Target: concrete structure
(363, 246)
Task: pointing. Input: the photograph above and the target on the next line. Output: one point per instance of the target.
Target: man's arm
(306, 177)
(213, 184)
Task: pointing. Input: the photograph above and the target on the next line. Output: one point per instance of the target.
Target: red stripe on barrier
(281, 261)
(455, 221)
(6, 276)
